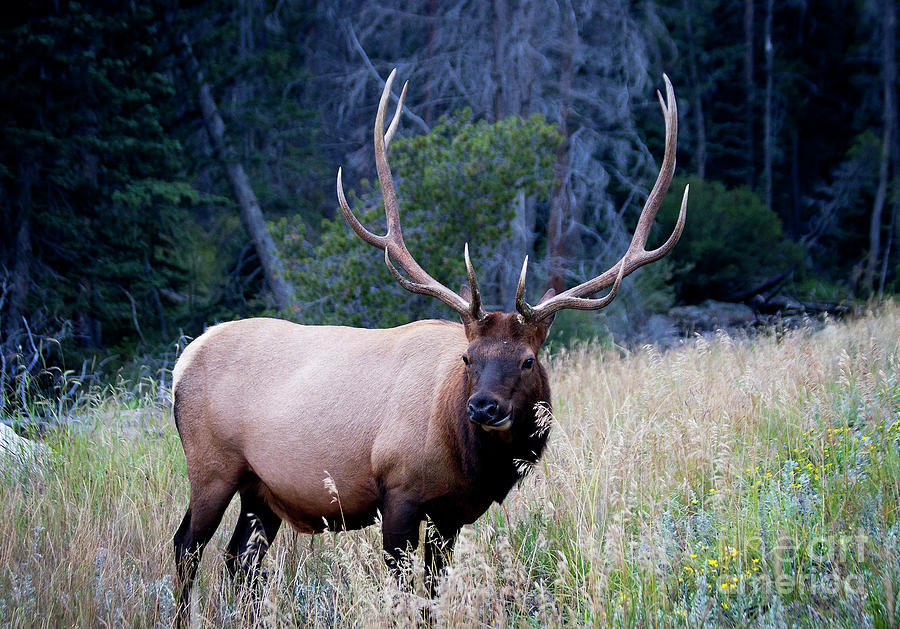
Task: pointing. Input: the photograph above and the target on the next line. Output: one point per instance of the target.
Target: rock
(662, 330)
(16, 451)
(711, 315)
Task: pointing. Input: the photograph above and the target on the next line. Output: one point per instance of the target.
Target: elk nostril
(483, 409)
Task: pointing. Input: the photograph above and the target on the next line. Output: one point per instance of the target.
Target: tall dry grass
(731, 481)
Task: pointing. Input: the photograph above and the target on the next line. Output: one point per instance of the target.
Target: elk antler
(578, 297)
(392, 243)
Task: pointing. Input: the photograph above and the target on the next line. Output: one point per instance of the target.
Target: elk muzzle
(488, 412)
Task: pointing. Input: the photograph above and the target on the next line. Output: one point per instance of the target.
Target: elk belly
(315, 483)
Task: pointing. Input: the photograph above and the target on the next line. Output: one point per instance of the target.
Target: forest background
(166, 166)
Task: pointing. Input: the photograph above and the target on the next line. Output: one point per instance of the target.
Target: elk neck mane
(492, 462)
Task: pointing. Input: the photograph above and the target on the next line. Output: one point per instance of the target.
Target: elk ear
(544, 324)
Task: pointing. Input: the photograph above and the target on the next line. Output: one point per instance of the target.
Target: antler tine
(666, 171)
(659, 252)
(636, 256)
(605, 301)
(411, 286)
(392, 243)
(522, 306)
(389, 194)
(395, 122)
(362, 232)
(475, 305)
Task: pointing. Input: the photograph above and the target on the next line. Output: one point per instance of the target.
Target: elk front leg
(400, 517)
(440, 538)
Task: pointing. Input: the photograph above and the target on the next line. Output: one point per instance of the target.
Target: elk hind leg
(256, 528)
(207, 505)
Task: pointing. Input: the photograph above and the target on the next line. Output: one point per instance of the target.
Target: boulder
(712, 315)
(16, 451)
(661, 330)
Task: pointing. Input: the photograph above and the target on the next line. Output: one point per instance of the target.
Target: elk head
(504, 379)
(503, 376)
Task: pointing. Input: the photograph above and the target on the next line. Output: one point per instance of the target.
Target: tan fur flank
(296, 404)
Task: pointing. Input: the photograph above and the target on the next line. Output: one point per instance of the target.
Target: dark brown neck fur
(491, 462)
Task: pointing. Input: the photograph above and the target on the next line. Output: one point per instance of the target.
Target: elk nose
(483, 409)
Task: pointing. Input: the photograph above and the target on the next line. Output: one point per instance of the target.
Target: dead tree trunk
(769, 132)
(499, 66)
(20, 281)
(560, 202)
(428, 111)
(888, 76)
(251, 214)
(748, 89)
(895, 204)
(696, 92)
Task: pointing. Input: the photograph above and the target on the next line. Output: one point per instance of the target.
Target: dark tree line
(93, 183)
(165, 166)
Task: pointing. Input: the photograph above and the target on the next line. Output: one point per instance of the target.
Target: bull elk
(431, 420)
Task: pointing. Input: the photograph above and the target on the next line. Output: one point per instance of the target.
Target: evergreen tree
(92, 184)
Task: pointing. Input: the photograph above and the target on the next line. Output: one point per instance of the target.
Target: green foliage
(455, 185)
(574, 327)
(731, 241)
(87, 156)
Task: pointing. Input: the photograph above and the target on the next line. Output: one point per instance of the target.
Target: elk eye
(465, 359)
(528, 364)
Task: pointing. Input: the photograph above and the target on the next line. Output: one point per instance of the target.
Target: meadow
(733, 481)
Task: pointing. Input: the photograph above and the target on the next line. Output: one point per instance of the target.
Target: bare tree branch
(134, 315)
(406, 109)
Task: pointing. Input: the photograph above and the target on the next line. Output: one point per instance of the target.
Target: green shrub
(730, 243)
(455, 185)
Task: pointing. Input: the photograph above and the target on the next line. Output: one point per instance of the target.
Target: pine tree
(92, 182)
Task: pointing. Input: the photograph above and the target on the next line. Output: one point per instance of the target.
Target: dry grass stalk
(667, 475)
